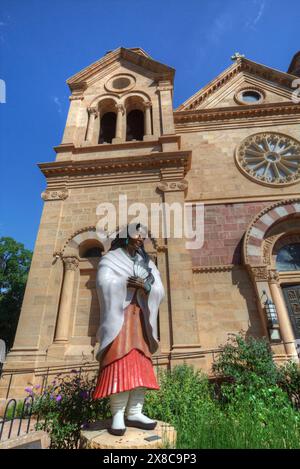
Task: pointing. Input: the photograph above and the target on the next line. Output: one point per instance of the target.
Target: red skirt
(131, 371)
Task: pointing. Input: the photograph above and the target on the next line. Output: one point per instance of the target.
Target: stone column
(62, 329)
(184, 322)
(148, 127)
(93, 113)
(283, 317)
(120, 125)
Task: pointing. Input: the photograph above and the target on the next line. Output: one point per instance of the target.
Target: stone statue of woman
(130, 291)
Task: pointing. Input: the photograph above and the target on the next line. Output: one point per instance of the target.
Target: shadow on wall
(241, 278)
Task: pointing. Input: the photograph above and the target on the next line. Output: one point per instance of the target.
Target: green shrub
(289, 381)
(253, 415)
(244, 358)
(184, 400)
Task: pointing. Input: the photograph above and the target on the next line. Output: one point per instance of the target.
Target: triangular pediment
(135, 56)
(243, 74)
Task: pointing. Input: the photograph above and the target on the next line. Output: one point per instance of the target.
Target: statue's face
(137, 240)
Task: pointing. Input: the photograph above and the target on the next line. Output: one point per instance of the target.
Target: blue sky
(44, 42)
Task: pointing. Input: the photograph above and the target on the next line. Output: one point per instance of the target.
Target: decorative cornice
(55, 194)
(178, 159)
(236, 112)
(213, 268)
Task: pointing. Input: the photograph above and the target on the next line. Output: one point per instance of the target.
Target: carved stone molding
(213, 268)
(293, 203)
(147, 104)
(267, 249)
(172, 186)
(270, 158)
(55, 194)
(260, 273)
(273, 276)
(71, 263)
(161, 248)
(164, 85)
(178, 160)
(120, 108)
(92, 110)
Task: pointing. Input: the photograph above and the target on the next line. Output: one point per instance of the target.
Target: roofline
(142, 59)
(239, 65)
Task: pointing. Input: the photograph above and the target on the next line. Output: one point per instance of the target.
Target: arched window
(288, 257)
(107, 127)
(93, 252)
(135, 125)
(90, 248)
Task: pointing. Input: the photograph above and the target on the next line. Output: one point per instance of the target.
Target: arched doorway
(271, 254)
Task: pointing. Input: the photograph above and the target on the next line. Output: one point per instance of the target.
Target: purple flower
(37, 386)
(53, 382)
(29, 390)
(84, 394)
(58, 398)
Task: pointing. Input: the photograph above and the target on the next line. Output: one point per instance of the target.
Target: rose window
(270, 158)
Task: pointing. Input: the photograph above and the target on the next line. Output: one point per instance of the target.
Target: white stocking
(118, 404)
(135, 406)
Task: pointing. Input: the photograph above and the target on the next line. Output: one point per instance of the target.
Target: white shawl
(114, 296)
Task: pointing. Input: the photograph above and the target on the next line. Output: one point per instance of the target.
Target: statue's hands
(136, 282)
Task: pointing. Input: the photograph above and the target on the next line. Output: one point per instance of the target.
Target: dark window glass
(93, 252)
(251, 96)
(108, 127)
(135, 125)
(288, 257)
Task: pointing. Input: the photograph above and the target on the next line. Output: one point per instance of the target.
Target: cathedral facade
(233, 149)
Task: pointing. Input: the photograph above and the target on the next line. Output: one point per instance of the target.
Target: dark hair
(121, 242)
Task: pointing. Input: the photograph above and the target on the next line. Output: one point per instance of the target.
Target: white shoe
(118, 404)
(134, 415)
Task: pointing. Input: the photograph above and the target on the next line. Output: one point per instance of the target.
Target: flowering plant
(66, 406)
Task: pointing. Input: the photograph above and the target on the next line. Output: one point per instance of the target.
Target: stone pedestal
(97, 437)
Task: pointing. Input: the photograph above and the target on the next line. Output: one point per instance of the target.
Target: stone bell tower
(119, 139)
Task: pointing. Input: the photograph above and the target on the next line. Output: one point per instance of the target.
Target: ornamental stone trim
(269, 158)
(213, 268)
(254, 250)
(71, 263)
(55, 194)
(260, 273)
(273, 276)
(92, 110)
(172, 186)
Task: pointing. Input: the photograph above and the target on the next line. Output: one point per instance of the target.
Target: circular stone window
(270, 158)
(249, 96)
(121, 83)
